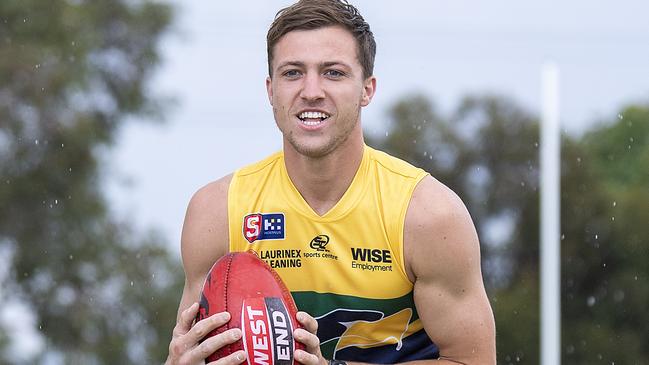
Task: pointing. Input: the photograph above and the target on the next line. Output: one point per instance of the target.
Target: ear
(269, 89)
(369, 88)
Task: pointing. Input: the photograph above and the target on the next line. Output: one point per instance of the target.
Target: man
(382, 254)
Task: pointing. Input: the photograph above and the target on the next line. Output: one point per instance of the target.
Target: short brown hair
(315, 14)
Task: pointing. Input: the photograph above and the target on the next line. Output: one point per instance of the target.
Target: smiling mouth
(313, 118)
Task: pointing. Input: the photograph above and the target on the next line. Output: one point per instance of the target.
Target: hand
(185, 347)
(307, 336)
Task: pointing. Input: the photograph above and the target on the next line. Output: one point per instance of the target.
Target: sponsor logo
(279, 259)
(267, 331)
(368, 259)
(319, 245)
(260, 226)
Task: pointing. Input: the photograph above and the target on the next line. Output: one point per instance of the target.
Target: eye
(291, 74)
(334, 74)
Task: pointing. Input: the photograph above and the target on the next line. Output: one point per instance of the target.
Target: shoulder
(205, 229)
(394, 165)
(440, 239)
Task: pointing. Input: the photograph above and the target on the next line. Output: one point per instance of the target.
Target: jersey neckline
(348, 201)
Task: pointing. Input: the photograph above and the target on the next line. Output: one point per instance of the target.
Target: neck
(323, 181)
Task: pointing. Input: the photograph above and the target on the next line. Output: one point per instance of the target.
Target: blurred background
(113, 112)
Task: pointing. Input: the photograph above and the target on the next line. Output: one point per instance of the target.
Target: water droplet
(36, 142)
(631, 139)
(71, 257)
(38, 65)
(620, 116)
(56, 202)
(70, 169)
(62, 145)
(635, 278)
(563, 237)
(131, 283)
(578, 159)
(73, 43)
(596, 236)
(614, 203)
(590, 301)
(604, 265)
(387, 134)
(24, 20)
(425, 153)
(613, 218)
(523, 183)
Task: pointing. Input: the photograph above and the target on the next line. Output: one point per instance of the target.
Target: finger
(306, 358)
(185, 321)
(232, 359)
(309, 323)
(205, 326)
(310, 340)
(212, 344)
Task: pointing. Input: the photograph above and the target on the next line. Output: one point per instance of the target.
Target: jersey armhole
(232, 224)
(401, 224)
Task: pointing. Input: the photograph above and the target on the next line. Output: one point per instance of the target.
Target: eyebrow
(323, 64)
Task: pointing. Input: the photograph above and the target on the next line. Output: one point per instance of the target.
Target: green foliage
(71, 72)
(487, 152)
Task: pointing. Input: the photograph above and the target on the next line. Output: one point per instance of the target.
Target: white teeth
(313, 115)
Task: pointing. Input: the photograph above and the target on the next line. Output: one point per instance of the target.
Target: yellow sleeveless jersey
(345, 268)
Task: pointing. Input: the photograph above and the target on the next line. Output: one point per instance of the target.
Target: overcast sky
(215, 67)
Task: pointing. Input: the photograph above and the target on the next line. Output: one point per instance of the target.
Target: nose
(312, 87)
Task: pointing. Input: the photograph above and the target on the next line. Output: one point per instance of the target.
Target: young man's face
(317, 89)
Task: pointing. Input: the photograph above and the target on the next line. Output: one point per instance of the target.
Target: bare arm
(442, 257)
(204, 240)
(204, 237)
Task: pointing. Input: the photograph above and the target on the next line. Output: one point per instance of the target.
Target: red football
(259, 303)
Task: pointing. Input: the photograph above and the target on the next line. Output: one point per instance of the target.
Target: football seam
(225, 299)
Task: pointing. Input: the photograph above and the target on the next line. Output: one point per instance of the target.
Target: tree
(487, 152)
(606, 190)
(71, 73)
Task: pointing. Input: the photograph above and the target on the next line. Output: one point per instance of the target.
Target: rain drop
(56, 202)
(596, 236)
(36, 142)
(131, 283)
(62, 145)
(71, 257)
(614, 203)
(387, 134)
(620, 117)
(563, 237)
(613, 218)
(590, 301)
(38, 65)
